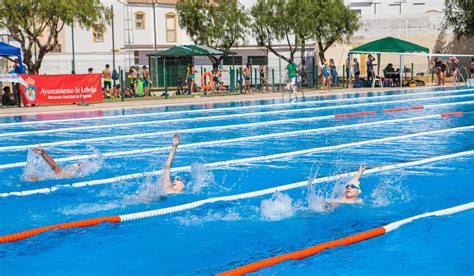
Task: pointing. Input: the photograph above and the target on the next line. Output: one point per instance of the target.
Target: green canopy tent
(387, 45)
(181, 51)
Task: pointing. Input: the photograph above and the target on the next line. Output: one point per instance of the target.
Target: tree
(221, 26)
(303, 25)
(298, 21)
(459, 15)
(333, 22)
(38, 23)
(273, 23)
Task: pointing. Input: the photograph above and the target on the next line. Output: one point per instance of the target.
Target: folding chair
(375, 79)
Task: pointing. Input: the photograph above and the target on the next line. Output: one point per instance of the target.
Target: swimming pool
(235, 149)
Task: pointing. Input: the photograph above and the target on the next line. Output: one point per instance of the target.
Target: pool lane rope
(196, 204)
(227, 163)
(228, 141)
(232, 108)
(311, 251)
(228, 116)
(201, 129)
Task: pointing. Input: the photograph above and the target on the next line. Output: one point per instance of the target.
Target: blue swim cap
(183, 179)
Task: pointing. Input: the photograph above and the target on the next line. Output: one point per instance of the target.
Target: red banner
(62, 89)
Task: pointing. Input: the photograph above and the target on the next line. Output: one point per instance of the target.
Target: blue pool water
(221, 236)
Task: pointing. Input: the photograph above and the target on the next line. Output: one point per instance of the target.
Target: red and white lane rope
(310, 251)
(227, 163)
(227, 116)
(202, 129)
(227, 141)
(223, 109)
(195, 204)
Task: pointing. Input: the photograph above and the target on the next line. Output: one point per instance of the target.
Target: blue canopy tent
(6, 50)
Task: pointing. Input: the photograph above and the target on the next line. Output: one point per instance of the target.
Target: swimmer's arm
(169, 162)
(339, 201)
(334, 202)
(48, 159)
(359, 173)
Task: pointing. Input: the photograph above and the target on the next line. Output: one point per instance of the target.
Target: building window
(228, 60)
(170, 27)
(139, 21)
(257, 60)
(98, 32)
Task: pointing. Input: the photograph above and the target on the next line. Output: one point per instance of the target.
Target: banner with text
(62, 89)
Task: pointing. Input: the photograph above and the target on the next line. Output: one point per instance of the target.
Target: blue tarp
(6, 50)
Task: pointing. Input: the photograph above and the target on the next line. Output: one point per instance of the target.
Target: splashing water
(317, 196)
(202, 179)
(279, 207)
(148, 191)
(317, 201)
(92, 165)
(37, 168)
(389, 190)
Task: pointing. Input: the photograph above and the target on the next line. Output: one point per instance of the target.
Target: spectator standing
(107, 75)
(220, 70)
(263, 80)
(454, 69)
(370, 67)
(326, 73)
(334, 75)
(347, 69)
(18, 69)
(146, 80)
(247, 72)
(215, 85)
(133, 78)
(190, 77)
(292, 75)
(439, 67)
(356, 70)
(6, 98)
(90, 70)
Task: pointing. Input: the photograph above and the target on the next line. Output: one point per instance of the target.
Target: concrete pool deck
(161, 101)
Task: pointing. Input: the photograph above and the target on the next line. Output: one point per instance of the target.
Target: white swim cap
(356, 183)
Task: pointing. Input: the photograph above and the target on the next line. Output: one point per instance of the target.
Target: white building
(139, 23)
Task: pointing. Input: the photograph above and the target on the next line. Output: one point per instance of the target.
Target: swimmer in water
(68, 171)
(175, 185)
(352, 190)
